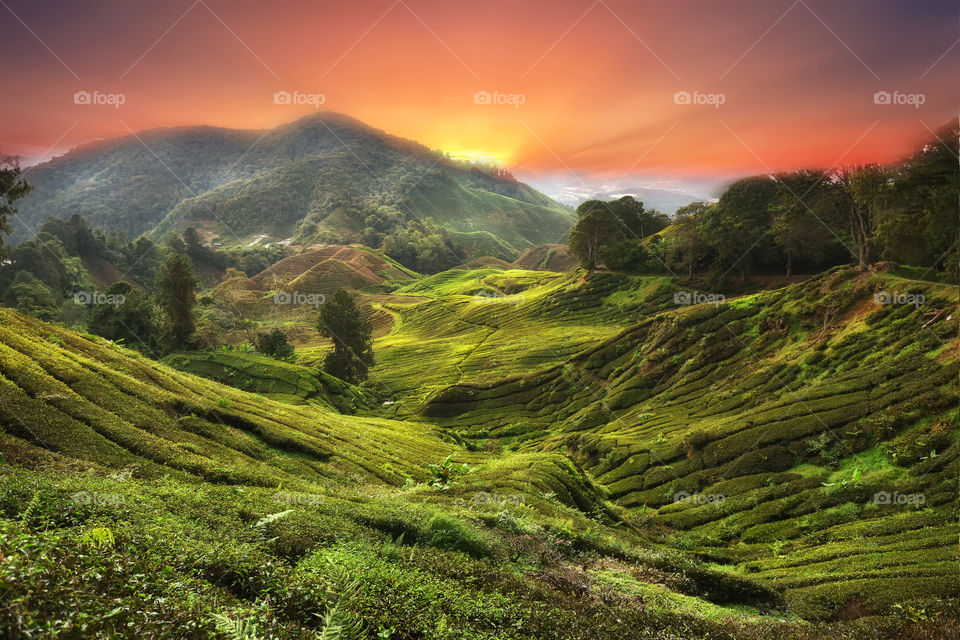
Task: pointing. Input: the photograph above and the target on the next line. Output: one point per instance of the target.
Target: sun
(474, 156)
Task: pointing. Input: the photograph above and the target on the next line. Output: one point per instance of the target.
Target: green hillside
(634, 468)
(784, 414)
(157, 500)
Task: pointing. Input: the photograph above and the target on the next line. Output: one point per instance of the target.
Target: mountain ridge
(324, 177)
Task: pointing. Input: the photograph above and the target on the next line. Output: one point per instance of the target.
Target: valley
(701, 471)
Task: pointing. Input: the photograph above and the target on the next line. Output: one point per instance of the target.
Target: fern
(237, 629)
(270, 519)
(339, 623)
(98, 537)
(33, 508)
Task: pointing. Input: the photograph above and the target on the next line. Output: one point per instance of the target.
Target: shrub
(275, 345)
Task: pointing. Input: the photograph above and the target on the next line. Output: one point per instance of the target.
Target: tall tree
(859, 194)
(924, 199)
(686, 247)
(634, 222)
(796, 228)
(352, 336)
(12, 188)
(592, 232)
(738, 225)
(175, 288)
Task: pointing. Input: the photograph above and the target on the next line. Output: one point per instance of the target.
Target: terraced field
(487, 324)
(133, 496)
(804, 436)
(779, 465)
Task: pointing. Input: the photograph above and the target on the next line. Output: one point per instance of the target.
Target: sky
(681, 92)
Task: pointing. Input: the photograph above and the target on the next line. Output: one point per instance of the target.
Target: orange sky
(596, 79)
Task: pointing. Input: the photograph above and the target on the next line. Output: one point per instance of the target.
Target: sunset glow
(544, 86)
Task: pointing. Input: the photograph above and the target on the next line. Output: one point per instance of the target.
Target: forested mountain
(324, 177)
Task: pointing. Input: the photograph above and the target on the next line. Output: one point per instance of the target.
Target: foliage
(12, 188)
(443, 474)
(352, 354)
(275, 345)
(613, 233)
(134, 321)
(175, 294)
(589, 236)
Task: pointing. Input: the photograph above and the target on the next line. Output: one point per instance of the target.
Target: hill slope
(136, 496)
(159, 501)
(806, 436)
(323, 176)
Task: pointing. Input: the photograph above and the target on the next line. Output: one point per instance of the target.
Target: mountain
(572, 192)
(325, 177)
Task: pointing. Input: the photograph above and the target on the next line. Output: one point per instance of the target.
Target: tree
(132, 319)
(924, 199)
(352, 337)
(275, 345)
(687, 248)
(796, 229)
(634, 222)
(12, 188)
(32, 296)
(591, 233)
(859, 194)
(422, 246)
(738, 225)
(175, 288)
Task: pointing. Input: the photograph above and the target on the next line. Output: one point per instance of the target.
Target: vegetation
(808, 219)
(325, 178)
(176, 295)
(275, 345)
(352, 354)
(13, 188)
(604, 453)
(612, 232)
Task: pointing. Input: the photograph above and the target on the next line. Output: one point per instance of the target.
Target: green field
(635, 469)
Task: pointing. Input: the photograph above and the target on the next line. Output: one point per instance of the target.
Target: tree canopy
(352, 336)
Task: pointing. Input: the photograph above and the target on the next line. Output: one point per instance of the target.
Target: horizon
(765, 89)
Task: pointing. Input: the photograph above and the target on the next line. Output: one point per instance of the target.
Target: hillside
(582, 407)
(112, 460)
(547, 257)
(324, 176)
(784, 414)
(330, 268)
